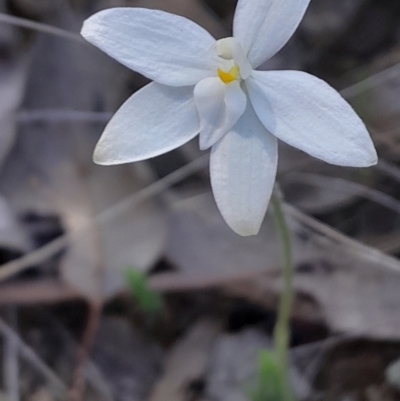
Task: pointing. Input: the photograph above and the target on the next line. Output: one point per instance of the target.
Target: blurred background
(123, 283)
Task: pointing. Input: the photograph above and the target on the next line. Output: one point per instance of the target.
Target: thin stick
(389, 169)
(79, 378)
(93, 375)
(40, 27)
(62, 115)
(371, 82)
(347, 186)
(11, 361)
(59, 388)
(382, 261)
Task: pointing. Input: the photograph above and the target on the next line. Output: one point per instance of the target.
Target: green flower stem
(282, 329)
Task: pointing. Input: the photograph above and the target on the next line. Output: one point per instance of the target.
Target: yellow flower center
(229, 77)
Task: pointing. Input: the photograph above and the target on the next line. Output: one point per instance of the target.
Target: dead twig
(364, 252)
(11, 361)
(79, 378)
(42, 292)
(40, 27)
(26, 352)
(92, 373)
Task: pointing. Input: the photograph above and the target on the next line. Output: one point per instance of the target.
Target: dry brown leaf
(187, 362)
(347, 368)
(354, 285)
(13, 73)
(51, 170)
(204, 248)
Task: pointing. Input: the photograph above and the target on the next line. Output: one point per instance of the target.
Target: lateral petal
(243, 168)
(220, 106)
(307, 113)
(153, 121)
(164, 47)
(263, 27)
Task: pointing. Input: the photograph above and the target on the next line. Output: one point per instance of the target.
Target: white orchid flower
(212, 88)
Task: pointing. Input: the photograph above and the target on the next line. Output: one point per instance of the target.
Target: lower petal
(307, 113)
(220, 106)
(153, 121)
(243, 168)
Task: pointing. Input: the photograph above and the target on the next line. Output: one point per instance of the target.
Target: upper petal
(220, 107)
(243, 168)
(153, 121)
(308, 114)
(166, 48)
(263, 27)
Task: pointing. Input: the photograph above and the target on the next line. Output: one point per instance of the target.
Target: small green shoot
(148, 300)
(268, 386)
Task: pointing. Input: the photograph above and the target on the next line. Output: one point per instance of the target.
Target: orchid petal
(166, 48)
(220, 106)
(263, 27)
(307, 113)
(243, 168)
(153, 121)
